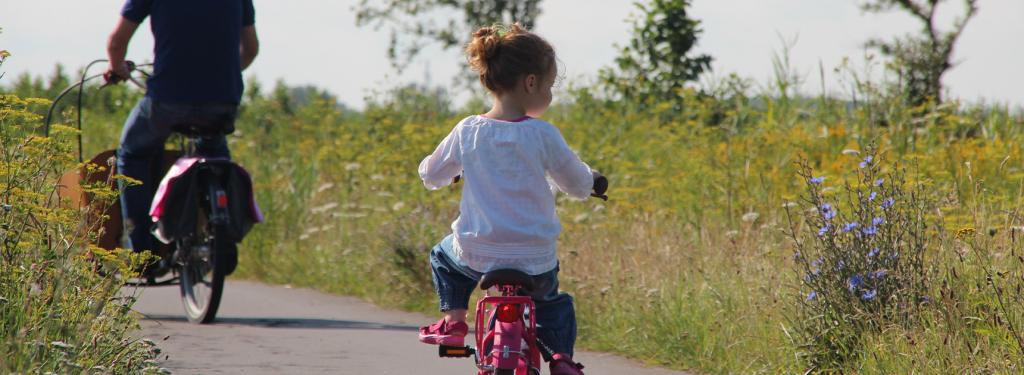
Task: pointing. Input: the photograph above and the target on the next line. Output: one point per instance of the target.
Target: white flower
(352, 166)
(750, 216)
(324, 187)
(398, 206)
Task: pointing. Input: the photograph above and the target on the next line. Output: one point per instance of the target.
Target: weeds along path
(264, 329)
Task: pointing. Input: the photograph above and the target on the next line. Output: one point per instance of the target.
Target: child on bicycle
(511, 162)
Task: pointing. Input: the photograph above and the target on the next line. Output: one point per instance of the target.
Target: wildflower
(850, 226)
(879, 182)
(812, 295)
(750, 216)
(854, 282)
(796, 256)
(873, 253)
(869, 295)
(840, 266)
(867, 161)
(964, 233)
(878, 221)
(817, 263)
(870, 231)
(889, 202)
(817, 180)
(824, 230)
(878, 274)
(872, 196)
(827, 212)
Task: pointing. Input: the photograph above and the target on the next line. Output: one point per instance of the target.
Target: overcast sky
(316, 41)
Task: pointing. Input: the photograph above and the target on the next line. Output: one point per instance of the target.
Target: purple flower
(878, 274)
(867, 161)
(872, 196)
(827, 212)
(869, 295)
(870, 231)
(854, 282)
(878, 221)
(796, 256)
(824, 230)
(812, 295)
(873, 253)
(879, 182)
(889, 202)
(850, 226)
(840, 266)
(817, 180)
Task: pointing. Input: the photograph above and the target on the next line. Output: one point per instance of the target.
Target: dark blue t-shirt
(197, 43)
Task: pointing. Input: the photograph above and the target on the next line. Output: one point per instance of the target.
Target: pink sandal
(562, 364)
(444, 333)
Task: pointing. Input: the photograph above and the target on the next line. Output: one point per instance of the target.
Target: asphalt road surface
(263, 329)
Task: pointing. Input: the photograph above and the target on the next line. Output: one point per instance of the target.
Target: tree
(921, 60)
(413, 22)
(657, 62)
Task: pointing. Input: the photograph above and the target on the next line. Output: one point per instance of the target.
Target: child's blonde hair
(503, 54)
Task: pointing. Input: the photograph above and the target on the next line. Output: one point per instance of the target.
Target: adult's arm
(250, 46)
(117, 45)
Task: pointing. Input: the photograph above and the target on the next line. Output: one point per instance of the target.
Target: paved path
(264, 329)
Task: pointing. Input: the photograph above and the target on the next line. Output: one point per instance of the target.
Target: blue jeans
(556, 317)
(141, 149)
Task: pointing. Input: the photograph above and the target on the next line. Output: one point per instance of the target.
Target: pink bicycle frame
(506, 351)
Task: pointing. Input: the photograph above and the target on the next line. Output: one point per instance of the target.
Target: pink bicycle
(506, 326)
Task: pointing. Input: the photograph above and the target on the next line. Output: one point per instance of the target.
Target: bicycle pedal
(445, 351)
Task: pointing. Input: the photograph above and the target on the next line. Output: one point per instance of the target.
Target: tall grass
(58, 313)
(689, 265)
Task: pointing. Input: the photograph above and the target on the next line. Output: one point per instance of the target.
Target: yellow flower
(964, 233)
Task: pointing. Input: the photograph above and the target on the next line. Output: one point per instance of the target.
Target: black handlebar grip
(600, 185)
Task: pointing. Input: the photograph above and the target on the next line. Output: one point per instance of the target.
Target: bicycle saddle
(506, 277)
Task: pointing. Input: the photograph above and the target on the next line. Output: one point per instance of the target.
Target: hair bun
(483, 47)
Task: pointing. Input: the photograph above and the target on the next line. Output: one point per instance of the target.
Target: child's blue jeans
(556, 317)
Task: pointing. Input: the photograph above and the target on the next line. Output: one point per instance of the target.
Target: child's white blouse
(507, 211)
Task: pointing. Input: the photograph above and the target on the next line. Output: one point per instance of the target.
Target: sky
(316, 42)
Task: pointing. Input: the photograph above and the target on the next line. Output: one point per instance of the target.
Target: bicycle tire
(212, 268)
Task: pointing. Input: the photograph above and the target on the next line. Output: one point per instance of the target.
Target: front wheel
(203, 266)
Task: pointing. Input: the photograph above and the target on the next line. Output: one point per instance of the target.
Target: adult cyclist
(201, 48)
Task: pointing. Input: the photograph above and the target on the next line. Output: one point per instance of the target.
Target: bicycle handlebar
(600, 185)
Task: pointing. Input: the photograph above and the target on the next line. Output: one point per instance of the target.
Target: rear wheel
(203, 266)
